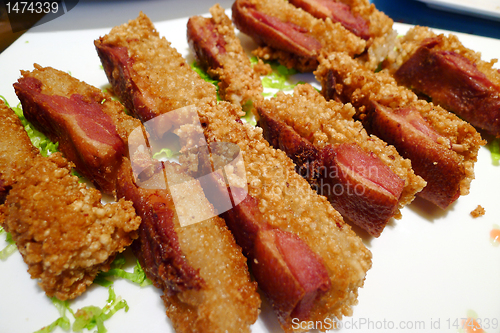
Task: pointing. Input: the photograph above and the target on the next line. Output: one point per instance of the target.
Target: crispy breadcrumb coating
(332, 36)
(409, 43)
(284, 197)
(64, 233)
(229, 301)
(59, 83)
(383, 36)
(331, 122)
(155, 59)
(239, 83)
(16, 150)
(289, 203)
(478, 211)
(363, 87)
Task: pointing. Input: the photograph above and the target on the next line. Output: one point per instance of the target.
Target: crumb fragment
(479, 211)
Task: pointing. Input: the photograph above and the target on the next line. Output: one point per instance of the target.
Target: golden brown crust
(383, 36)
(331, 123)
(149, 53)
(332, 36)
(16, 151)
(364, 87)
(289, 204)
(64, 233)
(408, 44)
(284, 197)
(239, 83)
(59, 83)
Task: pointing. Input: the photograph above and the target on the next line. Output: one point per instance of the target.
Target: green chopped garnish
(278, 79)
(167, 152)
(254, 60)
(494, 147)
(63, 321)
(249, 117)
(138, 276)
(92, 316)
(11, 246)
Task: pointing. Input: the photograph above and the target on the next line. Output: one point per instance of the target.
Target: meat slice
(337, 12)
(158, 247)
(185, 261)
(219, 52)
(290, 35)
(64, 233)
(454, 82)
(360, 186)
(268, 29)
(301, 151)
(16, 151)
(442, 147)
(91, 129)
(438, 164)
(291, 275)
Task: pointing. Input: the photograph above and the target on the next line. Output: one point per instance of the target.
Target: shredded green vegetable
(92, 316)
(11, 246)
(278, 78)
(138, 276)
(168, 153)
(249, 117)
(494, 147)
(87, 317)
(63, 321)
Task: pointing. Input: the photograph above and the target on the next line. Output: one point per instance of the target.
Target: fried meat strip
(362, 19)
(283, 202)
(290, 35)
(340, 159)
(16, 151)
(453, 76)
(220, 53)
(187, 263)
(64, 233)
(199, 267)
(91, 129)
(133, 51)
(442, 147)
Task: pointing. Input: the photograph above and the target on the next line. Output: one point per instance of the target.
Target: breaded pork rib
(64, 233)
(280, 210)
(16, 151)
(291, 35)
(220, 53)
(91, 129)
(362, 19)
(452, 75)
(442, 147)
(108, 127)
(313, 131)
(199, 267)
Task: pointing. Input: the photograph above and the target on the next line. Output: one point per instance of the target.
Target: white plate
(489, 9)
(430, 267)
